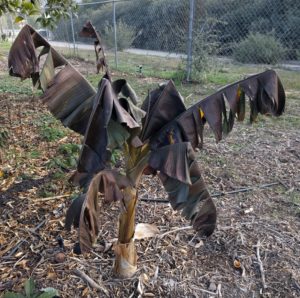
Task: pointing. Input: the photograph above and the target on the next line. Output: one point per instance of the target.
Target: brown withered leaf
(68, 94)
(105, 120)
(172, 160)
(71, 99)
(145, 230)
(88, 30)
(108, 182)
(179, 171)
(190, 194)
(266, 96)
(161, 110)
(22, 59)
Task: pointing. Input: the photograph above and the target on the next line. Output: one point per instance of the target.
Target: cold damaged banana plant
(158, 138)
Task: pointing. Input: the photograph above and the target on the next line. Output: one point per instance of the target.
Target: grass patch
(10, 84)
(50, 129)
(66, 158)
(4, 46)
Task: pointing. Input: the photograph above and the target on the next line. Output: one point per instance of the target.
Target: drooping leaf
(67, 92)
(22, 59)
(265, 93)
(181, 177)
(266, 96)
(163, 109)
(93, 157)
(172, 160)
(90, 31)
(71, 99)
(108, 182)
(190, 194)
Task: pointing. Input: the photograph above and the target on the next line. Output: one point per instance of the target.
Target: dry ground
(255, 250)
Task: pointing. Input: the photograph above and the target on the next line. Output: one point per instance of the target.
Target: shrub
(259, 48)
(125, 36)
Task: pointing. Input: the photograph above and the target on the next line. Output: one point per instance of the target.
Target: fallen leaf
(19, 254)
(85, 292)
(237, 264)
(143, 230)
(51, 275)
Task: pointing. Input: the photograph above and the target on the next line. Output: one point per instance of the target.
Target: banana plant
(159, 138)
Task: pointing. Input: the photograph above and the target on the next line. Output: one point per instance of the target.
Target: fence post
(115, 33)
(190, 42)
(73, 33)
(12, 27)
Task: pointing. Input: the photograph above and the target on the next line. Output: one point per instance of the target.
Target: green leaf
(19, 19)
(29, 287)
(12, 295)
(48, 293)
(28, 5)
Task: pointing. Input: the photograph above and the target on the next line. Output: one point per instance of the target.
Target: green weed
(31, 292)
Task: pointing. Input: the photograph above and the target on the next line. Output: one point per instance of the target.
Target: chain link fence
(187, 34)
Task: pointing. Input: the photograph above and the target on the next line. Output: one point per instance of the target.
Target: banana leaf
(84, 211)
(162, 109)
(66, 91)
(182, 180)
(88, 30)
(266, 96)
(172, 145)
(107, 121)
(72, 99)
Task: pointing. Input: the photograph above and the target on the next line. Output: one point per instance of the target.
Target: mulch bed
(255, 250)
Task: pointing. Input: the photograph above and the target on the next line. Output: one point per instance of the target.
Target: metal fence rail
(259, 31)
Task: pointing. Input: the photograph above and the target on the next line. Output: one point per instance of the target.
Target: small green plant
(34, 154)
(125, 36)
(50, 133)
(205, 47)
(3, 137)
(67, 158)
(32, 292)
(259, 48)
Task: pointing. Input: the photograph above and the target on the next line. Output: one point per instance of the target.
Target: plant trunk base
(126, 260)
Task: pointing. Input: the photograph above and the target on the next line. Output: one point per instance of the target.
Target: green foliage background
(163, 24)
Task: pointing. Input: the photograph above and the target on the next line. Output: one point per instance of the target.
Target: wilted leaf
(164, 105)
(72, 100)
(93, 157)
(143, 230)
(266, 96)
(172, 160)
(186, 188)
(84, 212)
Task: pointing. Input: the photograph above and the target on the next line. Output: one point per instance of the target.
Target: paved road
(290, 65)
(81, 46)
